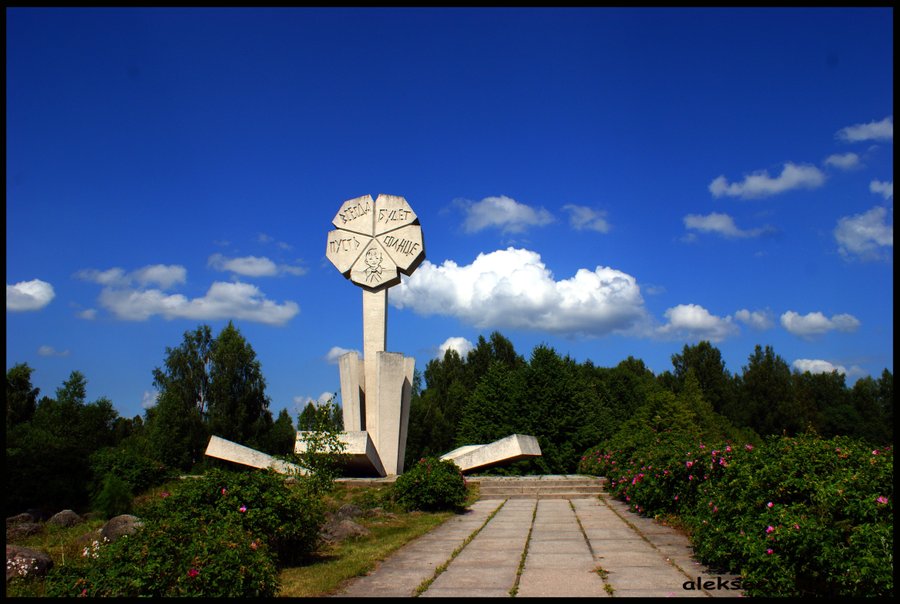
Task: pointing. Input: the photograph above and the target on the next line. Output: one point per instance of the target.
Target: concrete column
(374, 341)
(352, 397)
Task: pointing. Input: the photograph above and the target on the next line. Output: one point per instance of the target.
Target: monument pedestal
(378, 408)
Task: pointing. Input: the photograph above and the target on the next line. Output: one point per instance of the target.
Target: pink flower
(689, 463)
(223, 490)
(242, 509)
(748, 446)
(715, 509)
(770, 505)
(797, 526)
(193, 573)
(164, 494)
(875, 452)
(690, 477)
(882, 499)
(676, 497)
(769, 529)
(770, 551)
(728, 448)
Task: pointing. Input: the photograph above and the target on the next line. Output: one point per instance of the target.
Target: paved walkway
(592, 547)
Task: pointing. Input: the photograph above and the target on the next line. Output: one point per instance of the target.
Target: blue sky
(608, 182)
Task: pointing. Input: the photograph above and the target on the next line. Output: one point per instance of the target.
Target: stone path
(583, 546)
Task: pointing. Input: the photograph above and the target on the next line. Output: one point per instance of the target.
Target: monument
(373, 243)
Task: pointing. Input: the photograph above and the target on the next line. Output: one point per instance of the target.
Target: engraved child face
(373, 258)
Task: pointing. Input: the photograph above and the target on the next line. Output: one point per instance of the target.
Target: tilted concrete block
(511, 448)
(221, 448)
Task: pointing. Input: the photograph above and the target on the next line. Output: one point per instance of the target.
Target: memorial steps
(539, 487)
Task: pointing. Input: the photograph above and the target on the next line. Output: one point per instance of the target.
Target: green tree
(767, 397)
(21, 396)
(237, 405)
(176, 427)
(706, 362)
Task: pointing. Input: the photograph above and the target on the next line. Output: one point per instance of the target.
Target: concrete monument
(373, 243)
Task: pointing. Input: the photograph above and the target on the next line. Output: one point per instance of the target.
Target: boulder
(26, 562)
(20, 518)
(338, 529)
(21, 530)
(65, 518)
(119, 526)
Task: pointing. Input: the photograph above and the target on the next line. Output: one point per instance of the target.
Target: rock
(119, 526)
(21, 530)
(65, 518)
(348, 510)
(20, 518)
(340, 529)
(24, 561)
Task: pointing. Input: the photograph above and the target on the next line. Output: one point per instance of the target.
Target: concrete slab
(511, 448)
(363, 458)
(221, 448)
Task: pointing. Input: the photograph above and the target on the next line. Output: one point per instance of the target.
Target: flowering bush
(431, 484)
(793, 516)
(219, 535)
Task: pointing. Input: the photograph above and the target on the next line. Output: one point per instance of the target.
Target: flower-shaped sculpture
(375, 241)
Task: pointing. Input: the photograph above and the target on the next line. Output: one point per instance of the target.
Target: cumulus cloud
(757, 319)
(886, 189)
(844, 161)
(336, 352)
(720, 224)
(165, 276)
(252, 266)
(28, 295)
(89, 314)
(695, 322)
(300, 402)
(513, 288)
(817, 366)
(872, 131)
(583, 218)
(760, 184)
(815, 323)
(50, 351)
(865, 236)
(222, 301)
(149, 398)
(504, 213)
(461, 345)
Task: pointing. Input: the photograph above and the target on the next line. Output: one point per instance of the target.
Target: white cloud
(760, 184)
(817, 366)
(513, 288)
(583, 218)
(162, 275)
(757, 319)
(49, 351)
(461, 345)
(885, 188)
(28, 295)
(300, 402)
(336, 352)
(88, 314)
(222, 301)
(252, 266)
(864, 235)
(815, 323)
(844, 161)
(721, 224)
(878, 131)
(149, 398)
(695, 322)
(504, 213)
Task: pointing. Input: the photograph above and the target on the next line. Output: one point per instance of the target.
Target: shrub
(793, 516)
(113, 498)
(139, 471)
(218, 535)
(431, 485)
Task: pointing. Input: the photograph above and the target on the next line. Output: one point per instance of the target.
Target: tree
(21, 396)
(767, 396)
(237, 405)
(706, 362)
